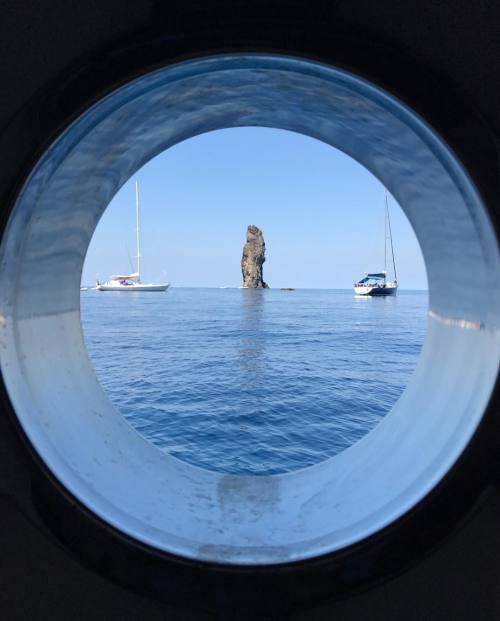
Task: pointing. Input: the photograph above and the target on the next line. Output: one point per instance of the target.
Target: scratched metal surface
(178, 507)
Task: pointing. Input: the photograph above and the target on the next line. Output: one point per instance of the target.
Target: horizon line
(263, 289)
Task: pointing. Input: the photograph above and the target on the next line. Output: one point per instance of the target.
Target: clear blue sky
(322, 215)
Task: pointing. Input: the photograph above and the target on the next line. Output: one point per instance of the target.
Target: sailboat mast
(385, 238)
(137, 230)
(390, 237)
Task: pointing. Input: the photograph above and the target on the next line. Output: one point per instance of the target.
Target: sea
(253, 381)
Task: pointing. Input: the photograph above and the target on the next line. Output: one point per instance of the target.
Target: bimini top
(378, 276)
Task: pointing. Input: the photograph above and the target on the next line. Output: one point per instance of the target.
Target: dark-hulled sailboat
(377, 283)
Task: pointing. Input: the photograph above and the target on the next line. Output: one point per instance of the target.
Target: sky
(321, 213)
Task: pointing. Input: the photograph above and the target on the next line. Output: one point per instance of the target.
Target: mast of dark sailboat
(137, 231)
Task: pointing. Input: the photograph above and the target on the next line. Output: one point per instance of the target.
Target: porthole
(173, 506)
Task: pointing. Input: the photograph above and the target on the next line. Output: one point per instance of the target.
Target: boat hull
(138, 287)
(375, 291)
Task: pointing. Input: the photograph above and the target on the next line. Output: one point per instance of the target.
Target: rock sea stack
(254, 255)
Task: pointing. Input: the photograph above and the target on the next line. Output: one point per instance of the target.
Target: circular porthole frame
(344, 562)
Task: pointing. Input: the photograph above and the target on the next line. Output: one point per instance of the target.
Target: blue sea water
(253, 381)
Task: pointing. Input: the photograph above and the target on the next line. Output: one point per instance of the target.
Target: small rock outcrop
(254, 255)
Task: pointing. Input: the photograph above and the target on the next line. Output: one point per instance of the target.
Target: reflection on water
(252, 337)
(251, 352)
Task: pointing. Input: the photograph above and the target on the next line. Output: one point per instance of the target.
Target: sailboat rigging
(132, 282)
(376, 283)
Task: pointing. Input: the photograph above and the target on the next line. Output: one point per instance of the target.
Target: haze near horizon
(322, 215)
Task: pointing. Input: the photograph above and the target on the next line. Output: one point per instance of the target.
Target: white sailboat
(377, 283)
(132, 282)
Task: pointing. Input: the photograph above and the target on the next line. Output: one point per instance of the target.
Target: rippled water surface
(253, 381)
